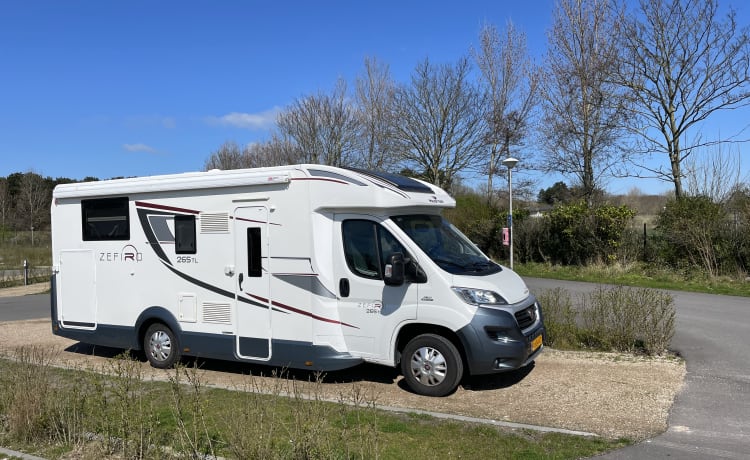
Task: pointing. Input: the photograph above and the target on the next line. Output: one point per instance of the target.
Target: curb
(484, 421)
(20, 455)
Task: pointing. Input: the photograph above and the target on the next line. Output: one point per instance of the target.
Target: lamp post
(510, 162)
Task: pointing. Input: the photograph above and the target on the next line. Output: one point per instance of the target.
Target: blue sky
(133, 88)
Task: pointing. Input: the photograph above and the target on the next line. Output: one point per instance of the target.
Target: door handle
(344, 287)
(241, 278)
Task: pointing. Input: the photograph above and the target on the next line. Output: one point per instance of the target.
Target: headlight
(479, 296)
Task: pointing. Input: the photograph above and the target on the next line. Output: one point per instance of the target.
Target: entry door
(76, 296)
(252, 287)
(371, 311)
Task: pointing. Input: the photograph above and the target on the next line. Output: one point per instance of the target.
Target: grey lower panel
(284, 353)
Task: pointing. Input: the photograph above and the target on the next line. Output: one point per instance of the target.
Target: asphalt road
(24, 307)
(711, 417)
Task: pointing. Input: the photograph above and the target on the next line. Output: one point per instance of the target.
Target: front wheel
(431, 365)
(161, 347)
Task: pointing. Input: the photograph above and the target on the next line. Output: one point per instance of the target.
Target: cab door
(252, 289)
(375, 310)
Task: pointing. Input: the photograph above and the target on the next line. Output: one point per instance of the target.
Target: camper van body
(302, 266)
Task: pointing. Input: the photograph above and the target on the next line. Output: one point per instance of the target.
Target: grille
(214, 222)
(215, 312)
(526, 317)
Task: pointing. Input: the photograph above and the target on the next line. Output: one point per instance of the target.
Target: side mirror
(394, 270)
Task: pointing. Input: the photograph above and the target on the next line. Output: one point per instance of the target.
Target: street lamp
(510, 162)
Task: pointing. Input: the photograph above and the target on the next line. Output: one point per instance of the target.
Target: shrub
(559, 318)
(579, 234)
(628, 319)
(632, 320)
(689, 232)
(29, 413)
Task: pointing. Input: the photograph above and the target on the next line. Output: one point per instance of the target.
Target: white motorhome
(304, 266)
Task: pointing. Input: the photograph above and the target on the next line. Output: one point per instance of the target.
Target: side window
(367, 246)
(105, 219)
(361, 248)
(184, 235)
(388, 245)
(254, 256)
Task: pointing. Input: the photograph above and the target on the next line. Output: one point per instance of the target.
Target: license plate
(536, 343)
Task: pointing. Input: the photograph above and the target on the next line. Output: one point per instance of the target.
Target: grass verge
(113, 412)
(638, 275)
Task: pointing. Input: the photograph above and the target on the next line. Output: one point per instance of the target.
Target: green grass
(15, 247)
(184, 417)
(638, 275)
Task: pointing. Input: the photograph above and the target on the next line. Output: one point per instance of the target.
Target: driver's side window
(361, 248)
(367, 246)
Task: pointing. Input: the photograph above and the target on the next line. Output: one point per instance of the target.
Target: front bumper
(494, 341)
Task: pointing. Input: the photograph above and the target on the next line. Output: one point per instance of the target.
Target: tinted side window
(367, 247)
(254, 256)
(105, 219)
(184, 235)
(361, 248)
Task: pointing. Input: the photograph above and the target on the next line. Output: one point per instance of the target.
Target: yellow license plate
(536, 343)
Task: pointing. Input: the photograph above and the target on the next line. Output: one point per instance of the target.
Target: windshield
(446, 245)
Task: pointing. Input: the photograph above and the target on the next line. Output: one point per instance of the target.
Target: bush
(624, 319)
(628, 319)
(579, 234)
(559, 318)
(689, 232)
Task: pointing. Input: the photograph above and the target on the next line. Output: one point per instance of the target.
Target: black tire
(161, 346)
(431, 365)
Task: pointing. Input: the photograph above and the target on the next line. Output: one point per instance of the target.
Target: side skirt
(286, 353)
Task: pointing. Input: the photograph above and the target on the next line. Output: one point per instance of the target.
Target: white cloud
(139, 148)
(252, 121)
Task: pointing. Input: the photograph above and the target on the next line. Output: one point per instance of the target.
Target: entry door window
(254, 256)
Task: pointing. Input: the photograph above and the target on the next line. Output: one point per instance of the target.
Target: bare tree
(510, 82)
(323, 126)
(33, 200)
(440, 126)
(275, 152)
(683, 64)
(228, 156)
(374, 96)
(583, 107)
(713, 173)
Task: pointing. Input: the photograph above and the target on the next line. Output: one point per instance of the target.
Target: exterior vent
(217, 313)
(217, 222)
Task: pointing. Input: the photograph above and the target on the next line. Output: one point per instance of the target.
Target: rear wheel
(431, 365)
(161, 347)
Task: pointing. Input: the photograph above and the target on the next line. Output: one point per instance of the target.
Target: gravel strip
(611, 395)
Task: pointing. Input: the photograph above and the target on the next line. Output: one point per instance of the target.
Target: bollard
(25, 272)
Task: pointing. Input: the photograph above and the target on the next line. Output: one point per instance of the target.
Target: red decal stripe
(301, 312)
(162, 207)
(254, 221)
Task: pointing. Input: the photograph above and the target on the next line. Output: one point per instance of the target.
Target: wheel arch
(412, 330)
(153, 315)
